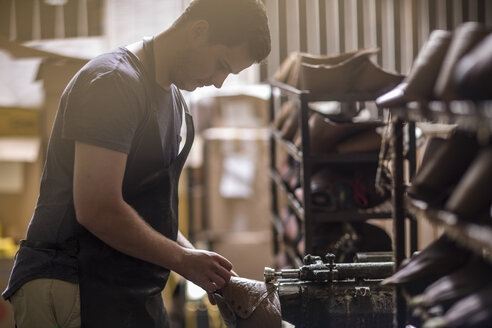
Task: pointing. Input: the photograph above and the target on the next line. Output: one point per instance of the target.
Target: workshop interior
(347, 177)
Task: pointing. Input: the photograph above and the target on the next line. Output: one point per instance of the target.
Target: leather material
(465, 37)
(435, 180)
(355, 74)
(349, 72)
(366, 141)
(473, 311)
(325, 134)
(446, 291)
(336, 77)
(474, 72)
(472, 197)
(246, 303)
(419, 84)
(440, 258)
(289, 69)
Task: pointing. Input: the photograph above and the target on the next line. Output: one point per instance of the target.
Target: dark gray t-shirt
(103, 105)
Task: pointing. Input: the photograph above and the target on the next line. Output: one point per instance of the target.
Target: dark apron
(117, 290)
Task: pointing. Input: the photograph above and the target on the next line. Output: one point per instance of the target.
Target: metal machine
(328, 294)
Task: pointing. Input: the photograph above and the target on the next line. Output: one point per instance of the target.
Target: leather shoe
(440, 173)
(440, 258)
(419, 84)
(465, 37)
(472, 196)
(246, 303)
(474, 72)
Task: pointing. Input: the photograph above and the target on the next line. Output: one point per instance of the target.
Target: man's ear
(199, 31)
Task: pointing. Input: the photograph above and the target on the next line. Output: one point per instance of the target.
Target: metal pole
(398, 216)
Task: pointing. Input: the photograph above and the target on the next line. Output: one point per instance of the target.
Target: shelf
(288, 146)
(318, 96)
(468, 114)
(292, 150)
(477, 237)
(320, 214)
(293, 202)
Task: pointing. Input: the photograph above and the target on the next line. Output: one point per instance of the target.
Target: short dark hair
(233, 22)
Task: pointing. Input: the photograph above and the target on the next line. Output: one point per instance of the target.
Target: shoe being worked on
(246, 303)
(465, 37)
(419, 84)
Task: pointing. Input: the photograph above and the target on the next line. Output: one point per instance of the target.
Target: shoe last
(472, 197)
(437, 176)
(419, 84)
(473, 72)
(464, 38)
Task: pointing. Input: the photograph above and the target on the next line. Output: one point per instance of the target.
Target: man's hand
(211, 298)
(208, 270)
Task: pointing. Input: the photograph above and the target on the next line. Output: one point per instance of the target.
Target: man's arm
(100, 208)
(183, 241)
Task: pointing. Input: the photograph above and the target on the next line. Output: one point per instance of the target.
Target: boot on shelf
(474, 72)
(473, 311)
(465, 37)
(439, 174)
(446, 291)
(441, 257)
(419, 84)
(471, 198)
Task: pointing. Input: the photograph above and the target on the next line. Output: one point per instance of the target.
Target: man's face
(204, 65)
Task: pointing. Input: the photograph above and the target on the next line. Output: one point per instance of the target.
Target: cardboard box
(249, 252)
(237, 185)
(246, 108)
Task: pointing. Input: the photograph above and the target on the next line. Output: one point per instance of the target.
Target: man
(104, 237)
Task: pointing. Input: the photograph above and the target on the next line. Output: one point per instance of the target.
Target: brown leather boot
(246, 303)
(444, 292)
(465, 37)
(289, 69)
(365, 141)
(325, 134)
(334, 77)
(441, 257)
(474, 72)
(473, 311)
(419, 84)
(472, 197)
(442, 171)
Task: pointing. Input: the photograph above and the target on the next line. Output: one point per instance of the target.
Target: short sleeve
(104, 110)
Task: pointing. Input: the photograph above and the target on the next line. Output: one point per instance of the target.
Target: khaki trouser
(47, 303)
